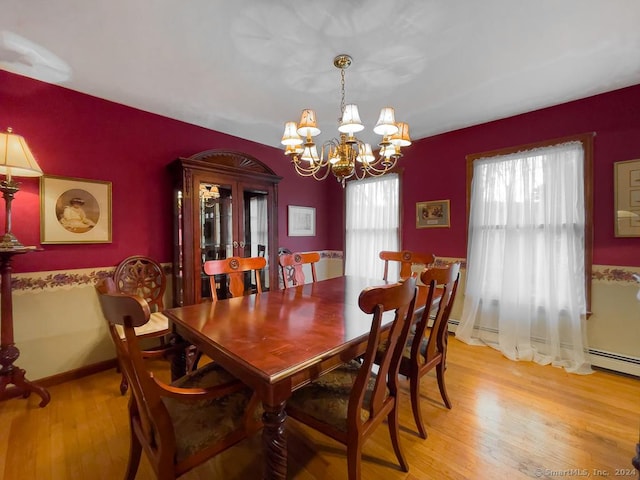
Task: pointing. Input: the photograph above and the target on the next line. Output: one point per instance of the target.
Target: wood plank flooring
(510, 420)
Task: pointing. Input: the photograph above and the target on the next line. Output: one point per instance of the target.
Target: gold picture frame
(74, 210)
(433, 214)
(627, 198)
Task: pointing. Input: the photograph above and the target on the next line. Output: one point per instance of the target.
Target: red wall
(77, 135)
(435, 168)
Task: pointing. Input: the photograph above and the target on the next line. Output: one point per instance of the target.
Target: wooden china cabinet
(225, 205)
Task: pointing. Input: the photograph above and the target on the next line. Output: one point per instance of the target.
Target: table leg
(274, 442)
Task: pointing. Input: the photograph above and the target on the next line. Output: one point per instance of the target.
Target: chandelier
(209, 194)
(346, 156)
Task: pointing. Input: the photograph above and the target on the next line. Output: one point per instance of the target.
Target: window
(372, 224)
(529, 252)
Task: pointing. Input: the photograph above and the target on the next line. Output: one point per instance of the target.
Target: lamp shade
(308, 126)
(293, 149)
(365, 155)
(386, 122)
(290, 136)
(310, 154)
(16, 158)
(401, 139)
(351, 122)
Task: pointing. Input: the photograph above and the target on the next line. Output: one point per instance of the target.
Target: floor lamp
(16, 160)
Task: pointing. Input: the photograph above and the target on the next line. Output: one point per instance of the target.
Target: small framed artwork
(302, 221)
(74, 210)
(432, 214)
(626, 177)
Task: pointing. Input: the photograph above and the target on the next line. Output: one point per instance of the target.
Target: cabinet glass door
(217, 229)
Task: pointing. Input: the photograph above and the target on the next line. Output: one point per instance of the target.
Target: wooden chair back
(425, 353)
(291, 267)
(144, 277)
(154, 413)
(235, 269)
(407, 259)
(321, 403)
(447, 279)
(377, 300)
(145, 405)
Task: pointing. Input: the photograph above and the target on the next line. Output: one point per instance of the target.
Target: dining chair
(350, 402)
(426, 348)
(181, 425)
(291, 267)
(143, 276)
(235, 270)
(407, 260)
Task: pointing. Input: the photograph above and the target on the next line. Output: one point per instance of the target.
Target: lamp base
(9, 241)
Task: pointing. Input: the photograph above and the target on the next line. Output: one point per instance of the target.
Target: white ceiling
(244, 67)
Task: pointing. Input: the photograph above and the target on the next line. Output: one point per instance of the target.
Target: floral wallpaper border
(42, 281)
(56, 280)
(608, 274)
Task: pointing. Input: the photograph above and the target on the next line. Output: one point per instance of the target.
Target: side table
(11, 374)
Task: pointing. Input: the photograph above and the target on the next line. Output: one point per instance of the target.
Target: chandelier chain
(342, 104)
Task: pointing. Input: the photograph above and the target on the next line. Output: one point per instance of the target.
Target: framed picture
(626, 177)
(74, 210)
(302, 221)
(432, 214)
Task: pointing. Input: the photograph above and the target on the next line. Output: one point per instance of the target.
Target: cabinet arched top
(228, 161)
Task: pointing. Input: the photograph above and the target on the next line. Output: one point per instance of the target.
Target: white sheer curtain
(259, 235)
(372, 224)
(525, 290)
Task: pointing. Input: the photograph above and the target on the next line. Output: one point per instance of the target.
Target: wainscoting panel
(58, 326)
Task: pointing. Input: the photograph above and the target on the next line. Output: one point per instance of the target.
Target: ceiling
(244, 67)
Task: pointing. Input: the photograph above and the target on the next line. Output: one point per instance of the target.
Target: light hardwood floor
(510, 420)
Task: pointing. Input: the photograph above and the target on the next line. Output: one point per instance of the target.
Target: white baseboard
(616, 362)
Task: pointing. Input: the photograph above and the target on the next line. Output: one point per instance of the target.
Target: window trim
(587, 144)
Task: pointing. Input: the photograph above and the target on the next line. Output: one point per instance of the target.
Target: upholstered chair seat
(158, 322)
(327, 398)
(200, 423)
(181, 425)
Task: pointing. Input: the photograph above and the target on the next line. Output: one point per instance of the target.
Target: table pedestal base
(274, 442)
(13, 375)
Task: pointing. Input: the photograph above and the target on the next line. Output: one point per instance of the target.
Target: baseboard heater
(599, 358)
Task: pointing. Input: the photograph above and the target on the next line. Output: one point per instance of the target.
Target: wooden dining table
(278, 341)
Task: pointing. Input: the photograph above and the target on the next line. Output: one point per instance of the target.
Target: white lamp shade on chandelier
(347, 156)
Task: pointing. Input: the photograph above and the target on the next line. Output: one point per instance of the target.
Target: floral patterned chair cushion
(204, 422)
(327, 398)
